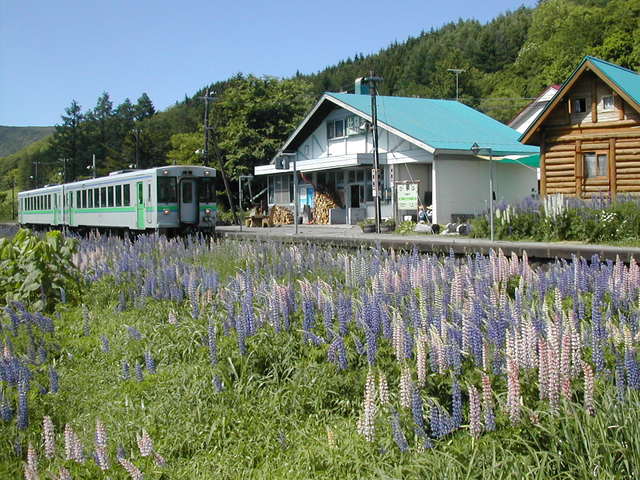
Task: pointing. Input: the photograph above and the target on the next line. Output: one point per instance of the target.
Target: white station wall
(461, 186)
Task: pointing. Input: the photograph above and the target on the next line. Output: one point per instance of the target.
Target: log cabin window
(579, 105)
(607, 103)
(595, 165)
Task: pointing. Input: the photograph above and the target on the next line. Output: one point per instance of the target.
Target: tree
(69, 140)
(144, 108)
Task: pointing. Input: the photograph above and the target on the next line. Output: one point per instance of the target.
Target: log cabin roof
(622, 80)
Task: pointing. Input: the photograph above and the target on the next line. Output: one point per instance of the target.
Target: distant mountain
(13, 139)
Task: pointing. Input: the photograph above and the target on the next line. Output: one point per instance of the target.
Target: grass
(284, 412)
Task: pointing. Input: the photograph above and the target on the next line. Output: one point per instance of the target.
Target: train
(170, 199)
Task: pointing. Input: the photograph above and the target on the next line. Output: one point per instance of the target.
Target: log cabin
(589, 133)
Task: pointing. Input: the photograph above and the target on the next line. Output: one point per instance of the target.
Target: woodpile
(323, 203)
(279, 215)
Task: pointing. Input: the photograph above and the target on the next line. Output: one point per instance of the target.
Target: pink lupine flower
(565, 367)
(64, 474)
(589, 405)
(101, 445)
(406, 388)
(475, 424)
(487, 404)
(421, 358)
(48, 437)
(366, 423)
(543, 370)
(145, 444)
(133, 471)
(383, 389)
(32, 458)
(514, 399)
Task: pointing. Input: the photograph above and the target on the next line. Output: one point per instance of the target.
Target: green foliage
(13, 139)
(406, 228)
(38, 271)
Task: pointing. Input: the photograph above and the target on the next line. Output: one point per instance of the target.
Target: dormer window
(579, 105)
(335, 129)
(607, 103)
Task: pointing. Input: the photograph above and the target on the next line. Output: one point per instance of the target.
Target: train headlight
(166, 212)
(165, 172)
(207, 211)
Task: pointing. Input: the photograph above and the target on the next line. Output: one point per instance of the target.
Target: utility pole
(205, 153)
(457, 71)
(13, 197)
(136, 133)
(375, 183)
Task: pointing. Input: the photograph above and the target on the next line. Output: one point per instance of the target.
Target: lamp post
(136, 133)
(475, 149)
(240, 178)
(375, 183)
(457, 71)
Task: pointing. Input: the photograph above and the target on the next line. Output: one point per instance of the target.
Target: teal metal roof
(627, 80)
(441, 124)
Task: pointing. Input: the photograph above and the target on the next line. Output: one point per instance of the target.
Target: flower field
(189, 358)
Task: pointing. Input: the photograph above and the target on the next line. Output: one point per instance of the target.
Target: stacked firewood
(280, 215)
(323, 203)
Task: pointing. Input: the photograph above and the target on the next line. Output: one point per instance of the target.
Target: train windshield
(167, 190)
(207, 190)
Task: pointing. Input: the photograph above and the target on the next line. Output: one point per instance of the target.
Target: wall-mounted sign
(407, 196)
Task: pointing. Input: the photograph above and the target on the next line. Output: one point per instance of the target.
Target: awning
(325, 163)
(531, 161)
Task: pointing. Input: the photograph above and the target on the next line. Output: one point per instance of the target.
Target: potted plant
(387, 226)
(368, 225)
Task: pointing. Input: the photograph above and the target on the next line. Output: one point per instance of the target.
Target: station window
(110, 195)
(118, 195)
(127, 195)
(103, 196)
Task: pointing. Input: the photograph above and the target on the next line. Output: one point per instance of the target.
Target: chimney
(362, 88)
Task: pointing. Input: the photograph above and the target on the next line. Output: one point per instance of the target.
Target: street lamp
(475, 149)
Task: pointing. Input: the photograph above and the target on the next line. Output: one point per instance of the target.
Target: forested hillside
(14, 139)
(506, 61)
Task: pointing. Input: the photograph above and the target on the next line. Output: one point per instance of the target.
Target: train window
(149, 193)
(167, 190)
(110, 195)
(187, 192)
(39, 203)
(127, 195)
(207, 190)
(103, 196)
(96, 197)
(84, 199)
(118, 195)
(78, 199)
(49, 202)
(90, 198)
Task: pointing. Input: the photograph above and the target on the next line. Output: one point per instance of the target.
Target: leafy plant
(38, 271)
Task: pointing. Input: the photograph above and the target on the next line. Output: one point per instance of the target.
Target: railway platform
(353, 237)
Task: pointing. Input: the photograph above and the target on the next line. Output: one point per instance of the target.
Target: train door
(56, 214)
(69, 207)
(188, 206)
(139, 205)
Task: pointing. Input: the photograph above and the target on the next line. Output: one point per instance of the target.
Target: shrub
(38, 271)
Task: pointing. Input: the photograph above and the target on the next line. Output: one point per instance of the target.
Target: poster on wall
(407, 196)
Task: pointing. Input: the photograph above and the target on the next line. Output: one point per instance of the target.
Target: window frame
(610, 108)
(576, 103)
(597, 154)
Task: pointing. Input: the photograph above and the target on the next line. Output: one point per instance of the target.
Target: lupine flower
(72, 447)
(456, 403)
(396, 429)
(405, 387)
(133, 471)
(101, 446)
(172, 318)
(48, 437)
(588, 388)
(211, 342)
(32, 459)
(416, 409)
(217, 384)
(23, 409)
(64, 474)
(105, 343)
(514, 400)
(383, 389)
(475, 424)
(145, 444)
(139, 374)
(150, 363)
(126, 375)
(366, 425)
(159, 459)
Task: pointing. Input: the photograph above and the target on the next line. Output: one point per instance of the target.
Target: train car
(164, 199)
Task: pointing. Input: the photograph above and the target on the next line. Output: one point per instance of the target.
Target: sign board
(407, 196)
(375, 183)
(392, 175)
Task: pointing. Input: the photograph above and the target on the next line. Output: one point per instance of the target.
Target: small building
(421, 141)
(589, 133)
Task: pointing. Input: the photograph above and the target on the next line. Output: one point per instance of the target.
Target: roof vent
(361, 86)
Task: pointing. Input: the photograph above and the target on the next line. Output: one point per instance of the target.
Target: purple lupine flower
(149, 362)
(145, 444)
(619, 378)
(398, 434)
(139, 374)
(437, 429)
(487, 404)
(101, 446)
(456, 399)
(105, 344)
(23, 408)
(336, 353)
(126, 375)
(475, 424)
(217, 384)
(134, 333)
(211, 341)
(6, 411)
(416, 409)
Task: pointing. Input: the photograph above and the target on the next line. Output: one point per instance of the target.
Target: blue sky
(54, 52)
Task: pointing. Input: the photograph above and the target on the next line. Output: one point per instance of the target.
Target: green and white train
(164, 199)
